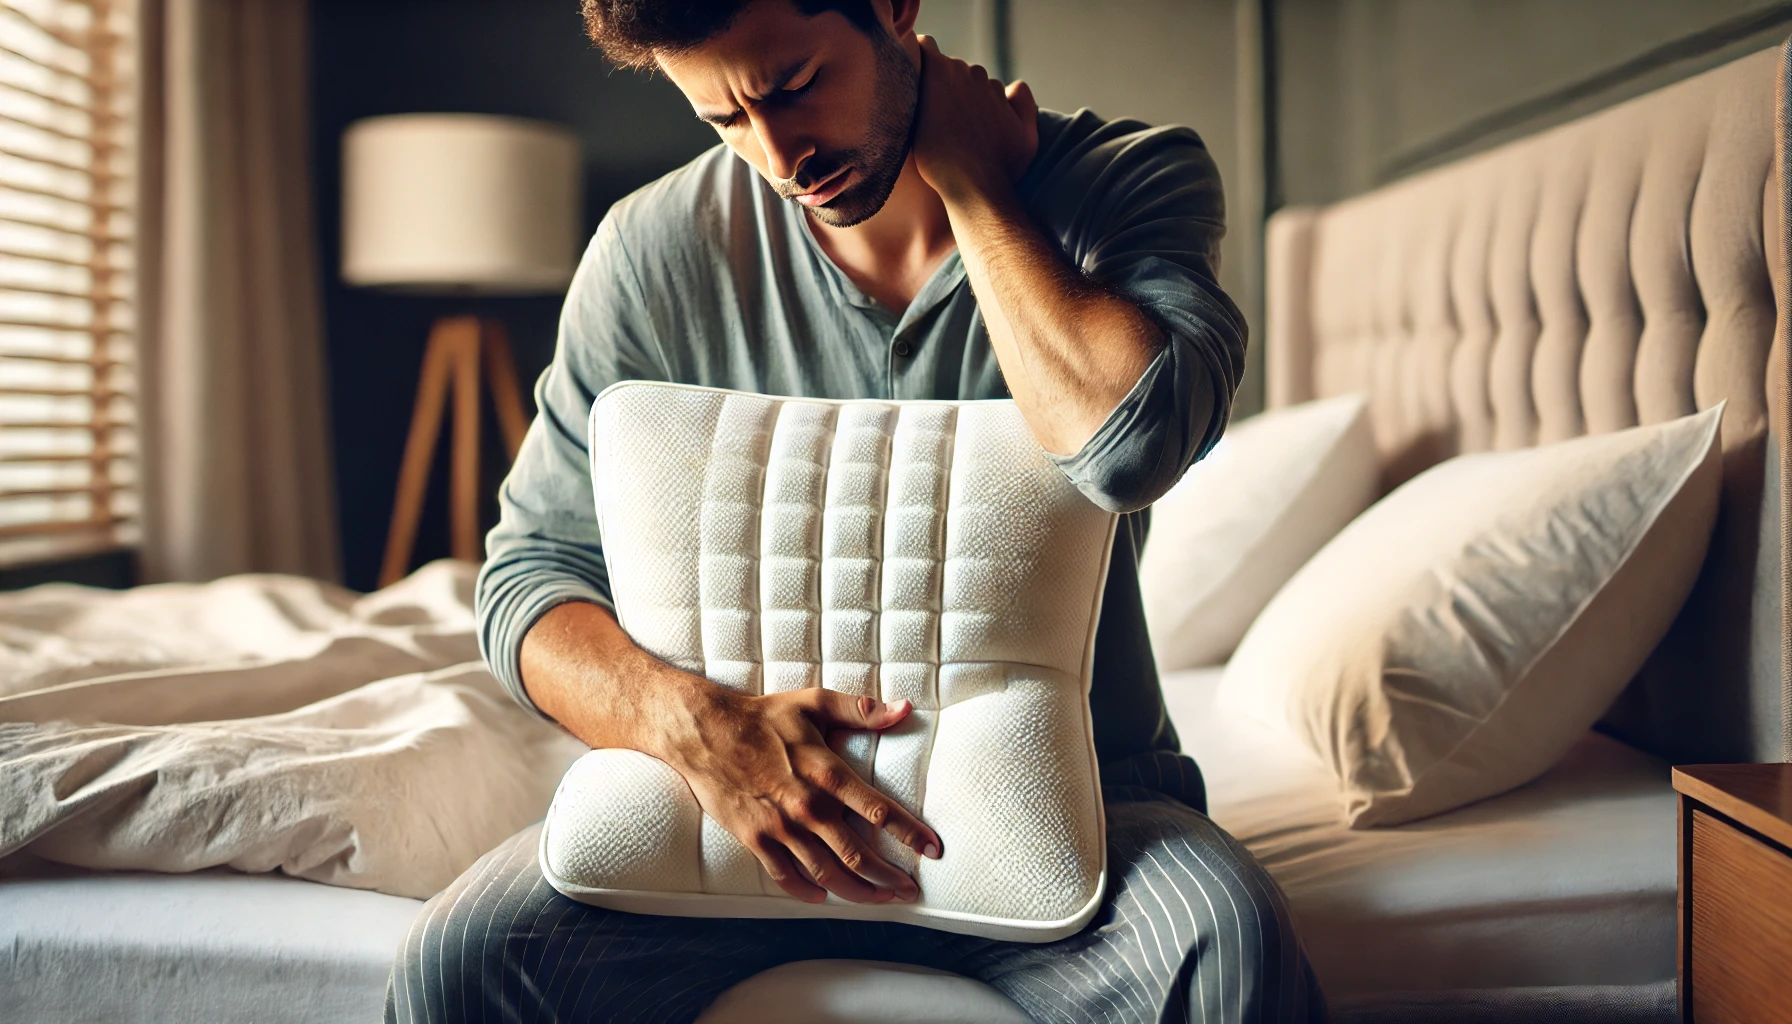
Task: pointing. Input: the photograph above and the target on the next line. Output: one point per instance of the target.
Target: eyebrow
(779, 81)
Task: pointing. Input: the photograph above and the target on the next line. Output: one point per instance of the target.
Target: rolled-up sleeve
(1140, 211)
(546, 549)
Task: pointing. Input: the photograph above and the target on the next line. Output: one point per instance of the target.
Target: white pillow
(920, 551)
(1226, 538)
(1457, 638)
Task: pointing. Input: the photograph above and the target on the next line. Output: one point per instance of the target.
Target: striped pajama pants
(1192, 929)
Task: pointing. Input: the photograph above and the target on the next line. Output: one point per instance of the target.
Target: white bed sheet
(1569, 880)
(1566, 882)
(139, 948)
(210, 946)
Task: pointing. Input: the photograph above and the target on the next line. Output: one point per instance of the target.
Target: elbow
(1127, 484)
(1124, 471)
(1170, 420)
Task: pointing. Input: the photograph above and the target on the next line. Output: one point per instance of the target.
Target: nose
(785, 149)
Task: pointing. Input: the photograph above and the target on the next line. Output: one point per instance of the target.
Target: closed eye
(789, 88)
(798, 88)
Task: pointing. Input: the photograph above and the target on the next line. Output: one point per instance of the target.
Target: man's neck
(891, 254)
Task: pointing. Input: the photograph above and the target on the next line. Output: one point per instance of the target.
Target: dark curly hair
(631, 33)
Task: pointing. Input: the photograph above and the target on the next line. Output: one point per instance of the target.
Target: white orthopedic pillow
(1457, 638)
(1239, 524)
(920, 551)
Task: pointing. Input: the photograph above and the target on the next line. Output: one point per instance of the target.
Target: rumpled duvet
(265, 723)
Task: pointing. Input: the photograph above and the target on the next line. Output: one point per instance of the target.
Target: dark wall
(1372, 90)
(526, 58)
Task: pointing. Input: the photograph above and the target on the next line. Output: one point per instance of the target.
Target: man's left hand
(973, 137)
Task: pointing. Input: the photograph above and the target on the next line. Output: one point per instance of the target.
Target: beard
(879, 158)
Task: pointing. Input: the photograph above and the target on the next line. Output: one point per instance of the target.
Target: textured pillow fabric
(1457, 638)
(921, 551)
(1239, 524)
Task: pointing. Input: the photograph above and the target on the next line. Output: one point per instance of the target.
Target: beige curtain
(235, 430)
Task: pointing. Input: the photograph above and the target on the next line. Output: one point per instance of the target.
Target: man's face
(816, 105)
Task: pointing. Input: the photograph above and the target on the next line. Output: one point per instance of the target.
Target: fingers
(821, 865)
(886, 814)
(808, 868)
(836, 711)
(777, 863)
(857, 857)
(841, 784)
(808, 846)
(1020, 97)
(844, 711)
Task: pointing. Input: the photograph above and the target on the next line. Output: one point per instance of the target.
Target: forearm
(1069, 349)
(583, 671)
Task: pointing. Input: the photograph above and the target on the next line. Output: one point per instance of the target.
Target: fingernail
(931, 852)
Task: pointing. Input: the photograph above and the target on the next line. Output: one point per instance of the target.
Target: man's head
(818, 95)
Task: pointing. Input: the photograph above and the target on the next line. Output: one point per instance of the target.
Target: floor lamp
(458, 205)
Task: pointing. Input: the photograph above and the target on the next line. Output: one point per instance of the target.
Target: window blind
(67, 342)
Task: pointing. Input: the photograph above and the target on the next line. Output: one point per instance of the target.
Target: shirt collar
(939, 287)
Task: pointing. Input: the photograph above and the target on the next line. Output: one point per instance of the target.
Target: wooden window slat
(11, 287)
(67, 327)
(99, 526)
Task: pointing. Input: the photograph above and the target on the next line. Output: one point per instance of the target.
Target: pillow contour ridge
(921, 551)
(1457, 638)
(1245, 518)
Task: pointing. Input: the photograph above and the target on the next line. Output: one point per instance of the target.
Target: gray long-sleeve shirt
(707, 277)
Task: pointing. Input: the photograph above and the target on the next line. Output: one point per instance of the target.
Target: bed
(1625, 268)
(1566, 882)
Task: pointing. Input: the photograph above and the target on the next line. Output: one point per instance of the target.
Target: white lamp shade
(460, 203)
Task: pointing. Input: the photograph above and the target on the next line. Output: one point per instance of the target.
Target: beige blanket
(264, 722)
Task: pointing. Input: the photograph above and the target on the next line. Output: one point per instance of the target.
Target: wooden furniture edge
(1683, 903)
(1769, 825)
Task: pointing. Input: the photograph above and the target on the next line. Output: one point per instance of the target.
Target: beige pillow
(1242, 520)
(1459, 636)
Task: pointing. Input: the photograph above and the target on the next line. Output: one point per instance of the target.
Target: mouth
(826, 189)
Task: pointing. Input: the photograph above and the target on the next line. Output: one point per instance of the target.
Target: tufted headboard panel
(1624, 268)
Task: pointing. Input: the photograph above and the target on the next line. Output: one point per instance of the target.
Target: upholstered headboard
(1624, 268)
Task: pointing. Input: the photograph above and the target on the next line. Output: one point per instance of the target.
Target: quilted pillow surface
(920, 551)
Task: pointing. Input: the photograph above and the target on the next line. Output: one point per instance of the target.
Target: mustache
(814, 171)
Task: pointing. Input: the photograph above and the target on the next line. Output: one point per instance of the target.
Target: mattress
(222, 946)
(1559, 894)
(210, 946)
(1567, 881)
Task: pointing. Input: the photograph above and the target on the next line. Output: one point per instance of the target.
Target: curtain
(234, 414)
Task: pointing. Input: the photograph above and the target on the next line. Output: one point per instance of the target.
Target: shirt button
(904, 349)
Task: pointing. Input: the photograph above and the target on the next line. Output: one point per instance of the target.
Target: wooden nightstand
(1735, 893)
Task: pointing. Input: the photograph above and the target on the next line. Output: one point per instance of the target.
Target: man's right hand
(762, 768)
(759, 765)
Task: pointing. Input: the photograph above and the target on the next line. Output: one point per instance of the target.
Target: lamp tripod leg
(463, 510)
(461, 350)
(446, 337)
(507, 394)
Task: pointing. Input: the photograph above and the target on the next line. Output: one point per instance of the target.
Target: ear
(901, 17)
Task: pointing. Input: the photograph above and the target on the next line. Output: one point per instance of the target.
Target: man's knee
(467, 939)
(1195, 895)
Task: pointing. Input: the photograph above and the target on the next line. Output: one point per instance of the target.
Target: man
(883, 222)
